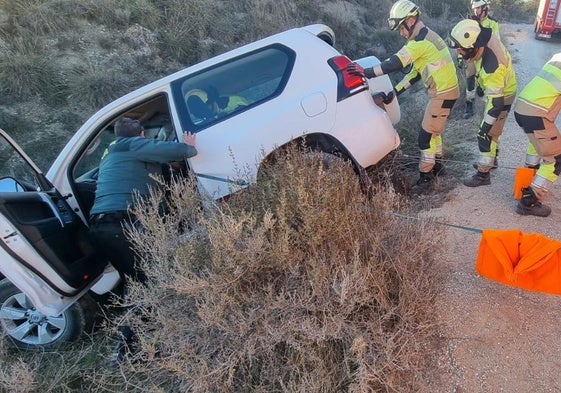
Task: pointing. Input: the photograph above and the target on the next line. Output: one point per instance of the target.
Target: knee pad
(484, 145)
(529, 123)
(424, 139)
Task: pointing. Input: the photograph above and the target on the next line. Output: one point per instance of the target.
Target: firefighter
(480, 13)
(430, 61)
(536, 109)
(495, 75)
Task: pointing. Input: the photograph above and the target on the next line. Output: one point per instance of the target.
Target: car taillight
(348, 84)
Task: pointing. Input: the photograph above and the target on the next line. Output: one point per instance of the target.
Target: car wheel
(27, 328)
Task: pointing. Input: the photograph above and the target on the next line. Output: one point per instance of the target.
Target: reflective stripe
(551, 78)
(541, 183)
(546, 172)
(427, 156)
(532, 160)
(485, 161)
(489, 119)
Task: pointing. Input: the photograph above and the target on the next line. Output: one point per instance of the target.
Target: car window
(156, 121)
(232, 87)
(154, 115)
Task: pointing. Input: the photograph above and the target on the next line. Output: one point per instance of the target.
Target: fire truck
(548, 19)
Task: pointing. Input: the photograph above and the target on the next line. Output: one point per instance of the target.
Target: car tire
(27, 328)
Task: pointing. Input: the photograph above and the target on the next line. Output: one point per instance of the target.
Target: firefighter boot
(529, 205)
(479, 179)
(438, 169)
(424, 183)
(469, 110)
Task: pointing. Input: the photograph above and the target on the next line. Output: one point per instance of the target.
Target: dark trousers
(107, 233)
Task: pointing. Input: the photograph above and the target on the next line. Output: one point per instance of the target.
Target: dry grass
(26, 71)
(302, 283)
(73, 368)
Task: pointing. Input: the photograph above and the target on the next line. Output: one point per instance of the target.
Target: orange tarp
(530, 261)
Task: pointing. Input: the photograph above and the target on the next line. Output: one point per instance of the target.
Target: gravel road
(497, 338)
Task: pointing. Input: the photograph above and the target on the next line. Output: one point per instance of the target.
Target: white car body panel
(381, 83)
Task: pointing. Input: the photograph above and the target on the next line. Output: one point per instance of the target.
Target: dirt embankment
(496, 338)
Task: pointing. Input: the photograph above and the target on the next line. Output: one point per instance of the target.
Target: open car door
(44, 246)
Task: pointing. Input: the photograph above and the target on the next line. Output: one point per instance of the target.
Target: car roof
(292, 38)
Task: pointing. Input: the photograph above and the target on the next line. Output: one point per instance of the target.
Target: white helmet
(464, 34)
(479, 3)
(401, 10)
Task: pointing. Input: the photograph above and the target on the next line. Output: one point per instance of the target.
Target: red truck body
(548, 19)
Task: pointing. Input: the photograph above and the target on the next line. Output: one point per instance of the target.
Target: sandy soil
(497, 338)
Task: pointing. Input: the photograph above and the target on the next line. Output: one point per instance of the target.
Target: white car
(243, 105)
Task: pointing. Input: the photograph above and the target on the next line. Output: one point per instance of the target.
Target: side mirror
(9, 184)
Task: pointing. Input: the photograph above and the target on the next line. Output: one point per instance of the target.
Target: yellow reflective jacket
(542, 94)
(491, 23)
(494, 70)
(431, 61)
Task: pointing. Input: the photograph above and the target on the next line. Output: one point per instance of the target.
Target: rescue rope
(400, 215)
(237, 182)
(471, 229)
(445, 160)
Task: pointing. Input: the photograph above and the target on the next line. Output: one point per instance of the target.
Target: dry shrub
(185, 31)
(92, 86)
(26, 70)
(300, 283)
(37, 17)
(71, 368)
(16, 376)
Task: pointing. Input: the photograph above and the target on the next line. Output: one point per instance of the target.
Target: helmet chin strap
(410, 29)
(469, 53)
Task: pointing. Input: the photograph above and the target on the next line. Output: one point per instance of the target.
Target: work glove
(355, 69)
(385, 98)
(388, 98)
(479, 91)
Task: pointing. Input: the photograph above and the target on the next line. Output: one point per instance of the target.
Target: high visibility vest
(431, 60)
(541, 94)
(492, 24)
(494, 70)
